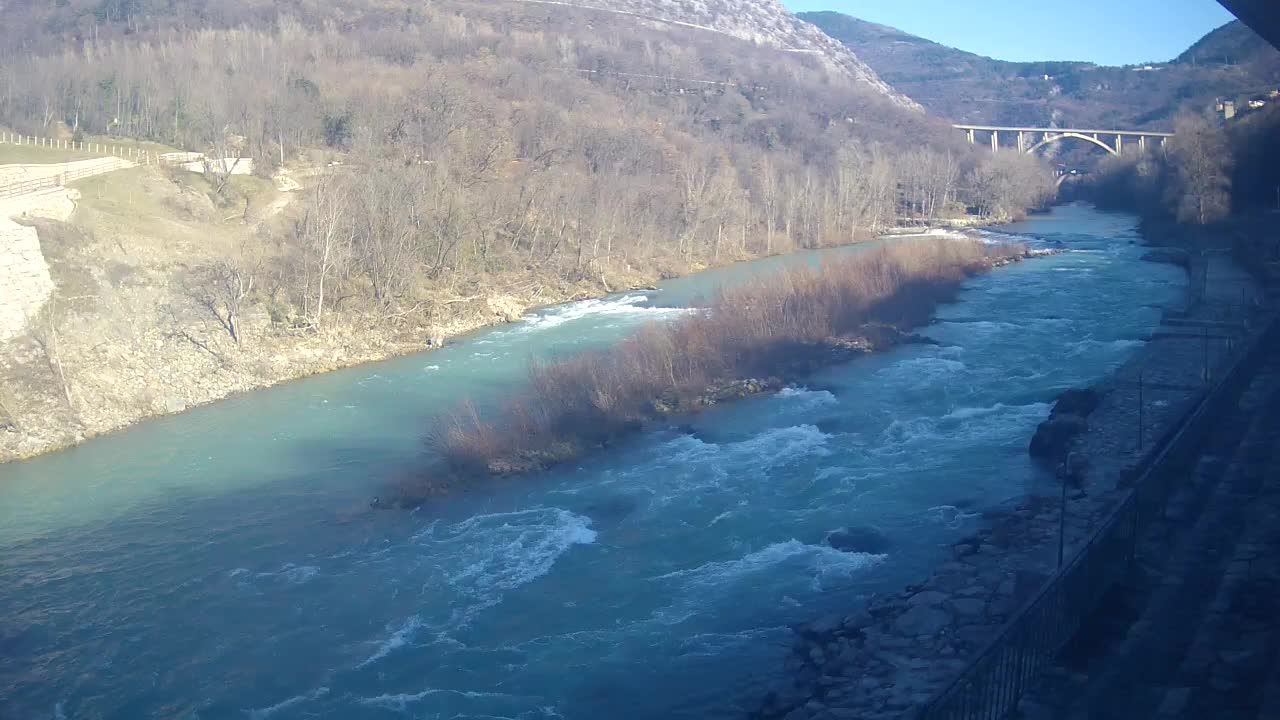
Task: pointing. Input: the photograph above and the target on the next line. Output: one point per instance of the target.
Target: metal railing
(991, 686)
(26, 187)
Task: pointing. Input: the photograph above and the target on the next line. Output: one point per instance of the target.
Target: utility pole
(1064, 474)
(1141, 411)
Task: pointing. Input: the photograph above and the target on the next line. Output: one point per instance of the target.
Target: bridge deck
(1125, 133)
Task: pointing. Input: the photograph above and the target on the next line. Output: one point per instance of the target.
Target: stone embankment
(25, 282)
(887, 659)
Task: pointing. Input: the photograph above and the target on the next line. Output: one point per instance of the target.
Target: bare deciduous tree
(1201, 160)
(324, 238)
(44, 332)
(220, 290)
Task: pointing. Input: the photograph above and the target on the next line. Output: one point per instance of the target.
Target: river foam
(400, 702)
(483, 558)
(802, 399)
(266, 712)
(822, 561)
(400, 636)
(502, 551)
(627, 305)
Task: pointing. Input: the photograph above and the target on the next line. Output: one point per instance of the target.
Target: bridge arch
(1078, 136)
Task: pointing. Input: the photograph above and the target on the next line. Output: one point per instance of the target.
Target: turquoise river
(225, 563)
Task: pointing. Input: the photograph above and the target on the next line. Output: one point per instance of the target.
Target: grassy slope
(32, 155)
(171, 217)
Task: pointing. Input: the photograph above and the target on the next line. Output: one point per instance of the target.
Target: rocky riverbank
(893, 655)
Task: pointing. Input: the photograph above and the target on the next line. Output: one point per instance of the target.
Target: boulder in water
(612, 509)
(1052, 441)
(1077, 401)
(1053, 438)
(859, 539)
(831, 426)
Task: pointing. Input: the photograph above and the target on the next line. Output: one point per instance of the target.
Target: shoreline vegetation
(745, 340)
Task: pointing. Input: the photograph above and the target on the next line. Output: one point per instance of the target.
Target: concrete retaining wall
(25, 284)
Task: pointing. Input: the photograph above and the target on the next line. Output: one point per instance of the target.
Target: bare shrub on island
(756, 335)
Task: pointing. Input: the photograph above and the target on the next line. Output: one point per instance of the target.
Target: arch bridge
(1031, 139)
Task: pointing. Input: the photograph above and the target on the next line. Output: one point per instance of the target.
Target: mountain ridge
(965, 87)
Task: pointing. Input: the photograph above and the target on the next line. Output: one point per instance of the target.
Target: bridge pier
(1120, 145)
(1142, 143)
(995, 141)
(971, 137)
(1022, 142)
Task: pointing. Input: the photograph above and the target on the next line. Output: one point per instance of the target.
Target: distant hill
(1231, 62)
(1231, 44)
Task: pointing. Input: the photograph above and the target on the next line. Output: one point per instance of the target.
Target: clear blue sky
(1108, 32)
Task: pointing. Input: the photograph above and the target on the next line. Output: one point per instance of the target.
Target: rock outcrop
(506, 308)
(764, 22)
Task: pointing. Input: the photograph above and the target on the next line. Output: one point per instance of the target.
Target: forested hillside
(1231, 62)
(703, 144)
(455, 157)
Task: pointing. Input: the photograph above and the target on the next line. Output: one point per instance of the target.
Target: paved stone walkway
(1195, 633)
